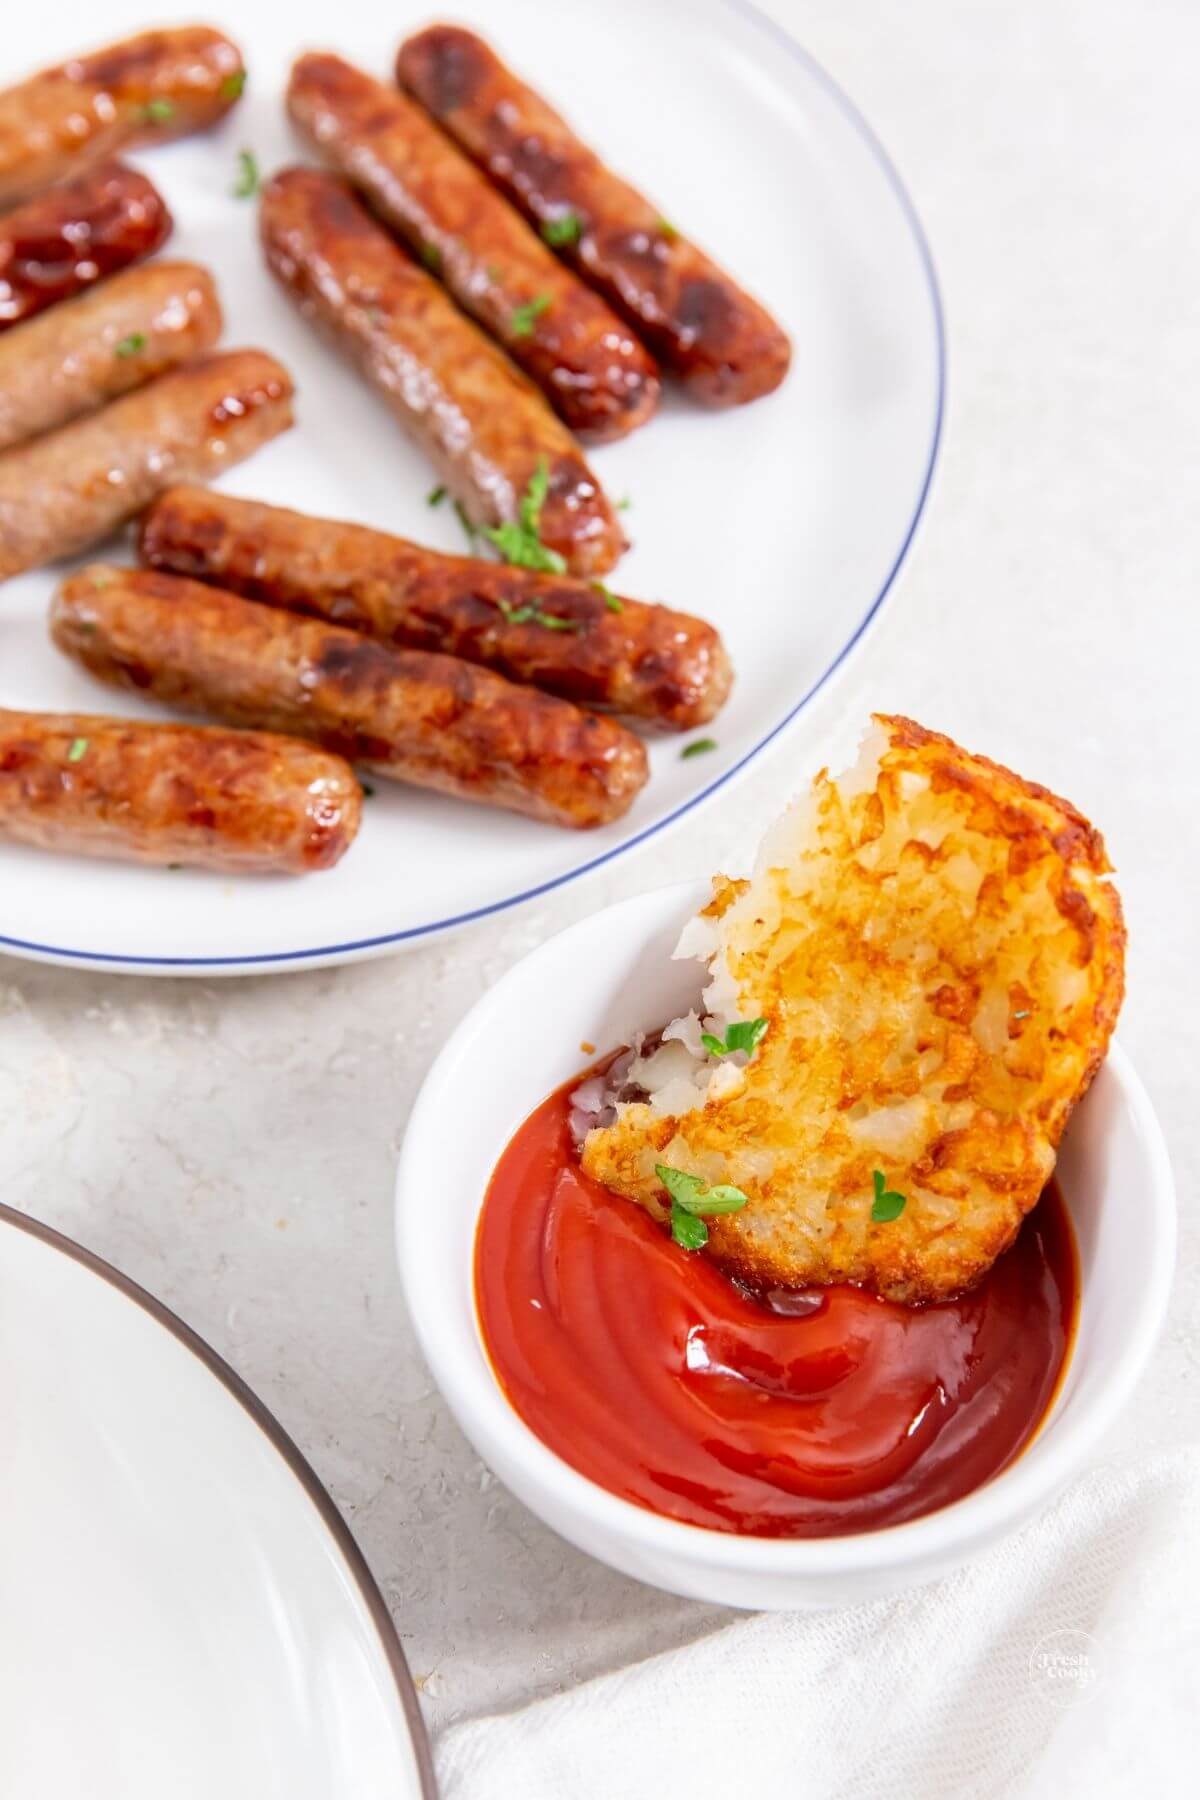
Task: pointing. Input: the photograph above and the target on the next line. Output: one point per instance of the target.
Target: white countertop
(232, 1145)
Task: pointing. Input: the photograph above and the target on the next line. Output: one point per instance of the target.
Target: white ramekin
(597, 983)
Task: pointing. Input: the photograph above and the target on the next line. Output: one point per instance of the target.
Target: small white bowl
(598, 982)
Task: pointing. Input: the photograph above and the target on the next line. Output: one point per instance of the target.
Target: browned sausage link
(113, 338)
(236, 800)
(432, 721)
(148, 88)
(484, 427)
(723, 344)
(588, 363)
(63, 241)
(76, 485)
(570, 637)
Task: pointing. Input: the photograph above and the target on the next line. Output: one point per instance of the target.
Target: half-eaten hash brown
(940, 961)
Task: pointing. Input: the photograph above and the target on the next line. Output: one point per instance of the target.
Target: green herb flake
(78, 750)
(698, 747)
(665, 229)
(234, 86)
(565, 228)
(689, 1232)
(525, 317)
(690, 1199)
(157, 112)
(514, 614)
(431, 256)
(518, 541)
(248, 177)
(435, 496)
(613, 602)
(743, 1034)
(888, 1204)
(129, 346)
(464, 521)
(624, 504)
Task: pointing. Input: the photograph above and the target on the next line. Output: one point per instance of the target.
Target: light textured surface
(233, 1146)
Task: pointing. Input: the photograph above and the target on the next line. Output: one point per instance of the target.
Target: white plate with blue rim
(185, 1613)
(785, 522)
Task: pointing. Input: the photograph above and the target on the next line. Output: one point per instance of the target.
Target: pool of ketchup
(805, 1414)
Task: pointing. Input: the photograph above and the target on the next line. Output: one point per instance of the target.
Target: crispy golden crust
(942, 963)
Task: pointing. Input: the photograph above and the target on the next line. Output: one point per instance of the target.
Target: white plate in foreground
(784, 522)
(185, 1613)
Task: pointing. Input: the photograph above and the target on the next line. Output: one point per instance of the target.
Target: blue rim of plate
(279, 958)
(285, 1447)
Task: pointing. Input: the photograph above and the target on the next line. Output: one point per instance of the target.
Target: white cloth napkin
(1064, 1662)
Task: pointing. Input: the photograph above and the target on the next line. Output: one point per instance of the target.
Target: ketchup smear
(818, 1412)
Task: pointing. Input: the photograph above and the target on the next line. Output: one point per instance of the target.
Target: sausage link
(111, 339)
(62, 242)
(145, 90)
(76, 485)
(484, 427)
(595, 373)
(725, 346)
(570, 637)
(432, 721)
(235, 800)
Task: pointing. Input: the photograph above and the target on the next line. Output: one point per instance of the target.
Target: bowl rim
(496, 1429)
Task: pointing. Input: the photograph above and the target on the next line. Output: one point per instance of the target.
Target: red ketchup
(806, 1414)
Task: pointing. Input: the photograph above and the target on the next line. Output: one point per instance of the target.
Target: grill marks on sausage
(66, 239)
(456, 68)
(426, 719)
(485, 428)
(721, 342)
(595, 372)
(648, 661)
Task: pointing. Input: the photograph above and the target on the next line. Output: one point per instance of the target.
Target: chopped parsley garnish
(743, 1034)
(431, 256)
(527, 614)
(624, 504)
(690, 1198)
(248, 177)
(234, 85)
(613, 602)
(435, 496)
(565, 229)
(698, 747)
(157, 112)
(515, 615)
(78, 750)
(665, 229)
(888, 1204)
(517, 539)
(464, 521)
(689, 1232)
(525, 317)
(129, 346)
